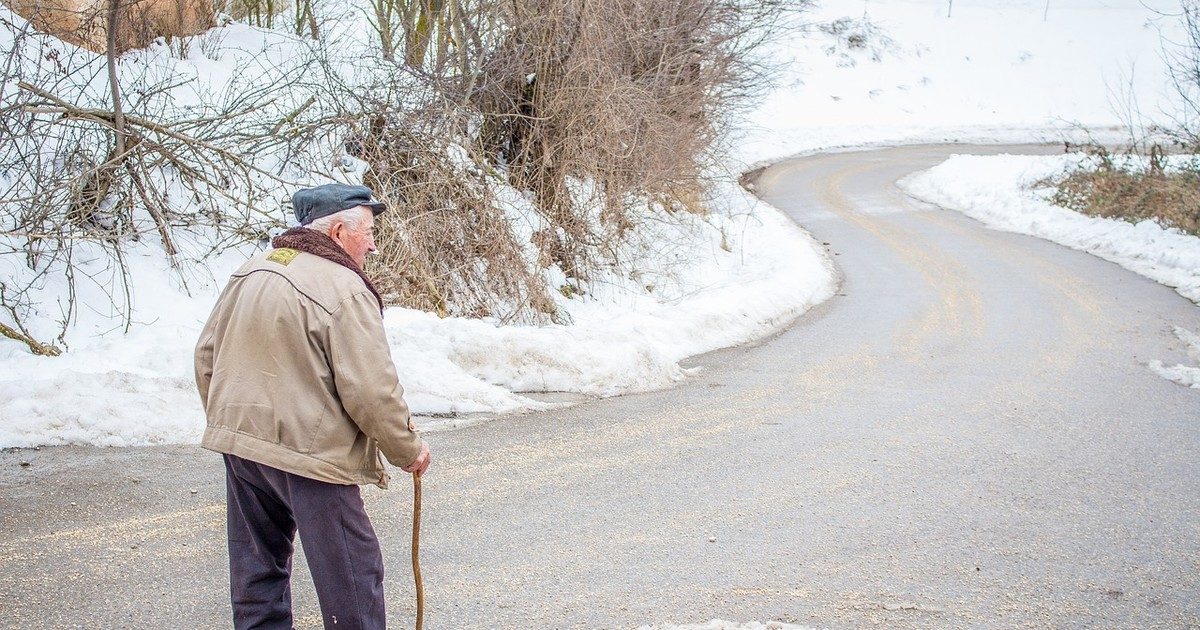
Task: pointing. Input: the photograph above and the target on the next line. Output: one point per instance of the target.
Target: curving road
(966, 435)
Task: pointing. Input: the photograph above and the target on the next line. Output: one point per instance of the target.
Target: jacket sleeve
(204, 361)
(366, 380)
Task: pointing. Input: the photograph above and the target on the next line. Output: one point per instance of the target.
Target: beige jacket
(294, 372)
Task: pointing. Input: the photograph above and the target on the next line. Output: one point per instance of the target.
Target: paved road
(966, 435)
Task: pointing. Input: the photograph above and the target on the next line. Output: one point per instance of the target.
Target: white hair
(354, 219)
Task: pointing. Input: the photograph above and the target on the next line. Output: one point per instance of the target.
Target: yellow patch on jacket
(283, 255)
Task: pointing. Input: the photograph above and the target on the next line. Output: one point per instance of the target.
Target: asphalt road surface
(966, 435)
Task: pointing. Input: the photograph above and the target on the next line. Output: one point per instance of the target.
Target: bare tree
(1183, 61)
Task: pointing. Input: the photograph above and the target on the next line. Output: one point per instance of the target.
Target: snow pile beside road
(693, 284)
(626, 337)
(999, 191)
(718, 624)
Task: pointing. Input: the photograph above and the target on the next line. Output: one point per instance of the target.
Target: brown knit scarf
(319, 244)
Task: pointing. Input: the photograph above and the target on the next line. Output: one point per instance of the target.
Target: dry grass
(1170, 197)
(1140, 182)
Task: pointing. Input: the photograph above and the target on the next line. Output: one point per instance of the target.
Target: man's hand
(421, 463)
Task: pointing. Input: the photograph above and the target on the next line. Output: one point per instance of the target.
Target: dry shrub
(627, 96)
(596, 107)
(1138, 182)
(444, 245)
(84, 180)
(1116, 190)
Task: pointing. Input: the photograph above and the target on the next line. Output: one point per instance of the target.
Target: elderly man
(301, 396)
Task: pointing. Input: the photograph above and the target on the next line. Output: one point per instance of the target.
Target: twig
(292, 116)
(35, 346)
(106, 117)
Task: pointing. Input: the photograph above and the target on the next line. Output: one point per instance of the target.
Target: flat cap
(311, 204)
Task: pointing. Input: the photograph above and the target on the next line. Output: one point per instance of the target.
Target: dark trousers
(266, 508)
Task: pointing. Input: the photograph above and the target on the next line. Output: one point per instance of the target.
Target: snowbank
(998, 190)
(682, 294)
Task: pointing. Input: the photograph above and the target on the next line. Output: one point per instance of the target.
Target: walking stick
(416, 550)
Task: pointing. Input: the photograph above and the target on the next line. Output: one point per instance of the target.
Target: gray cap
(311, 204)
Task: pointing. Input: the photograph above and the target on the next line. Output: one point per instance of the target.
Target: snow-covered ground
(116, 389)
(687, 285)
(885, 72)
(864, 73)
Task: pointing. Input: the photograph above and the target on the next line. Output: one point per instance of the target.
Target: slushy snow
(1185, 375)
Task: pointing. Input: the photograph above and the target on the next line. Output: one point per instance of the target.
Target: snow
(999, 191)
(1183, 374)
(992, 72)
(690, 284)
(625, 339)
(114, 389)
